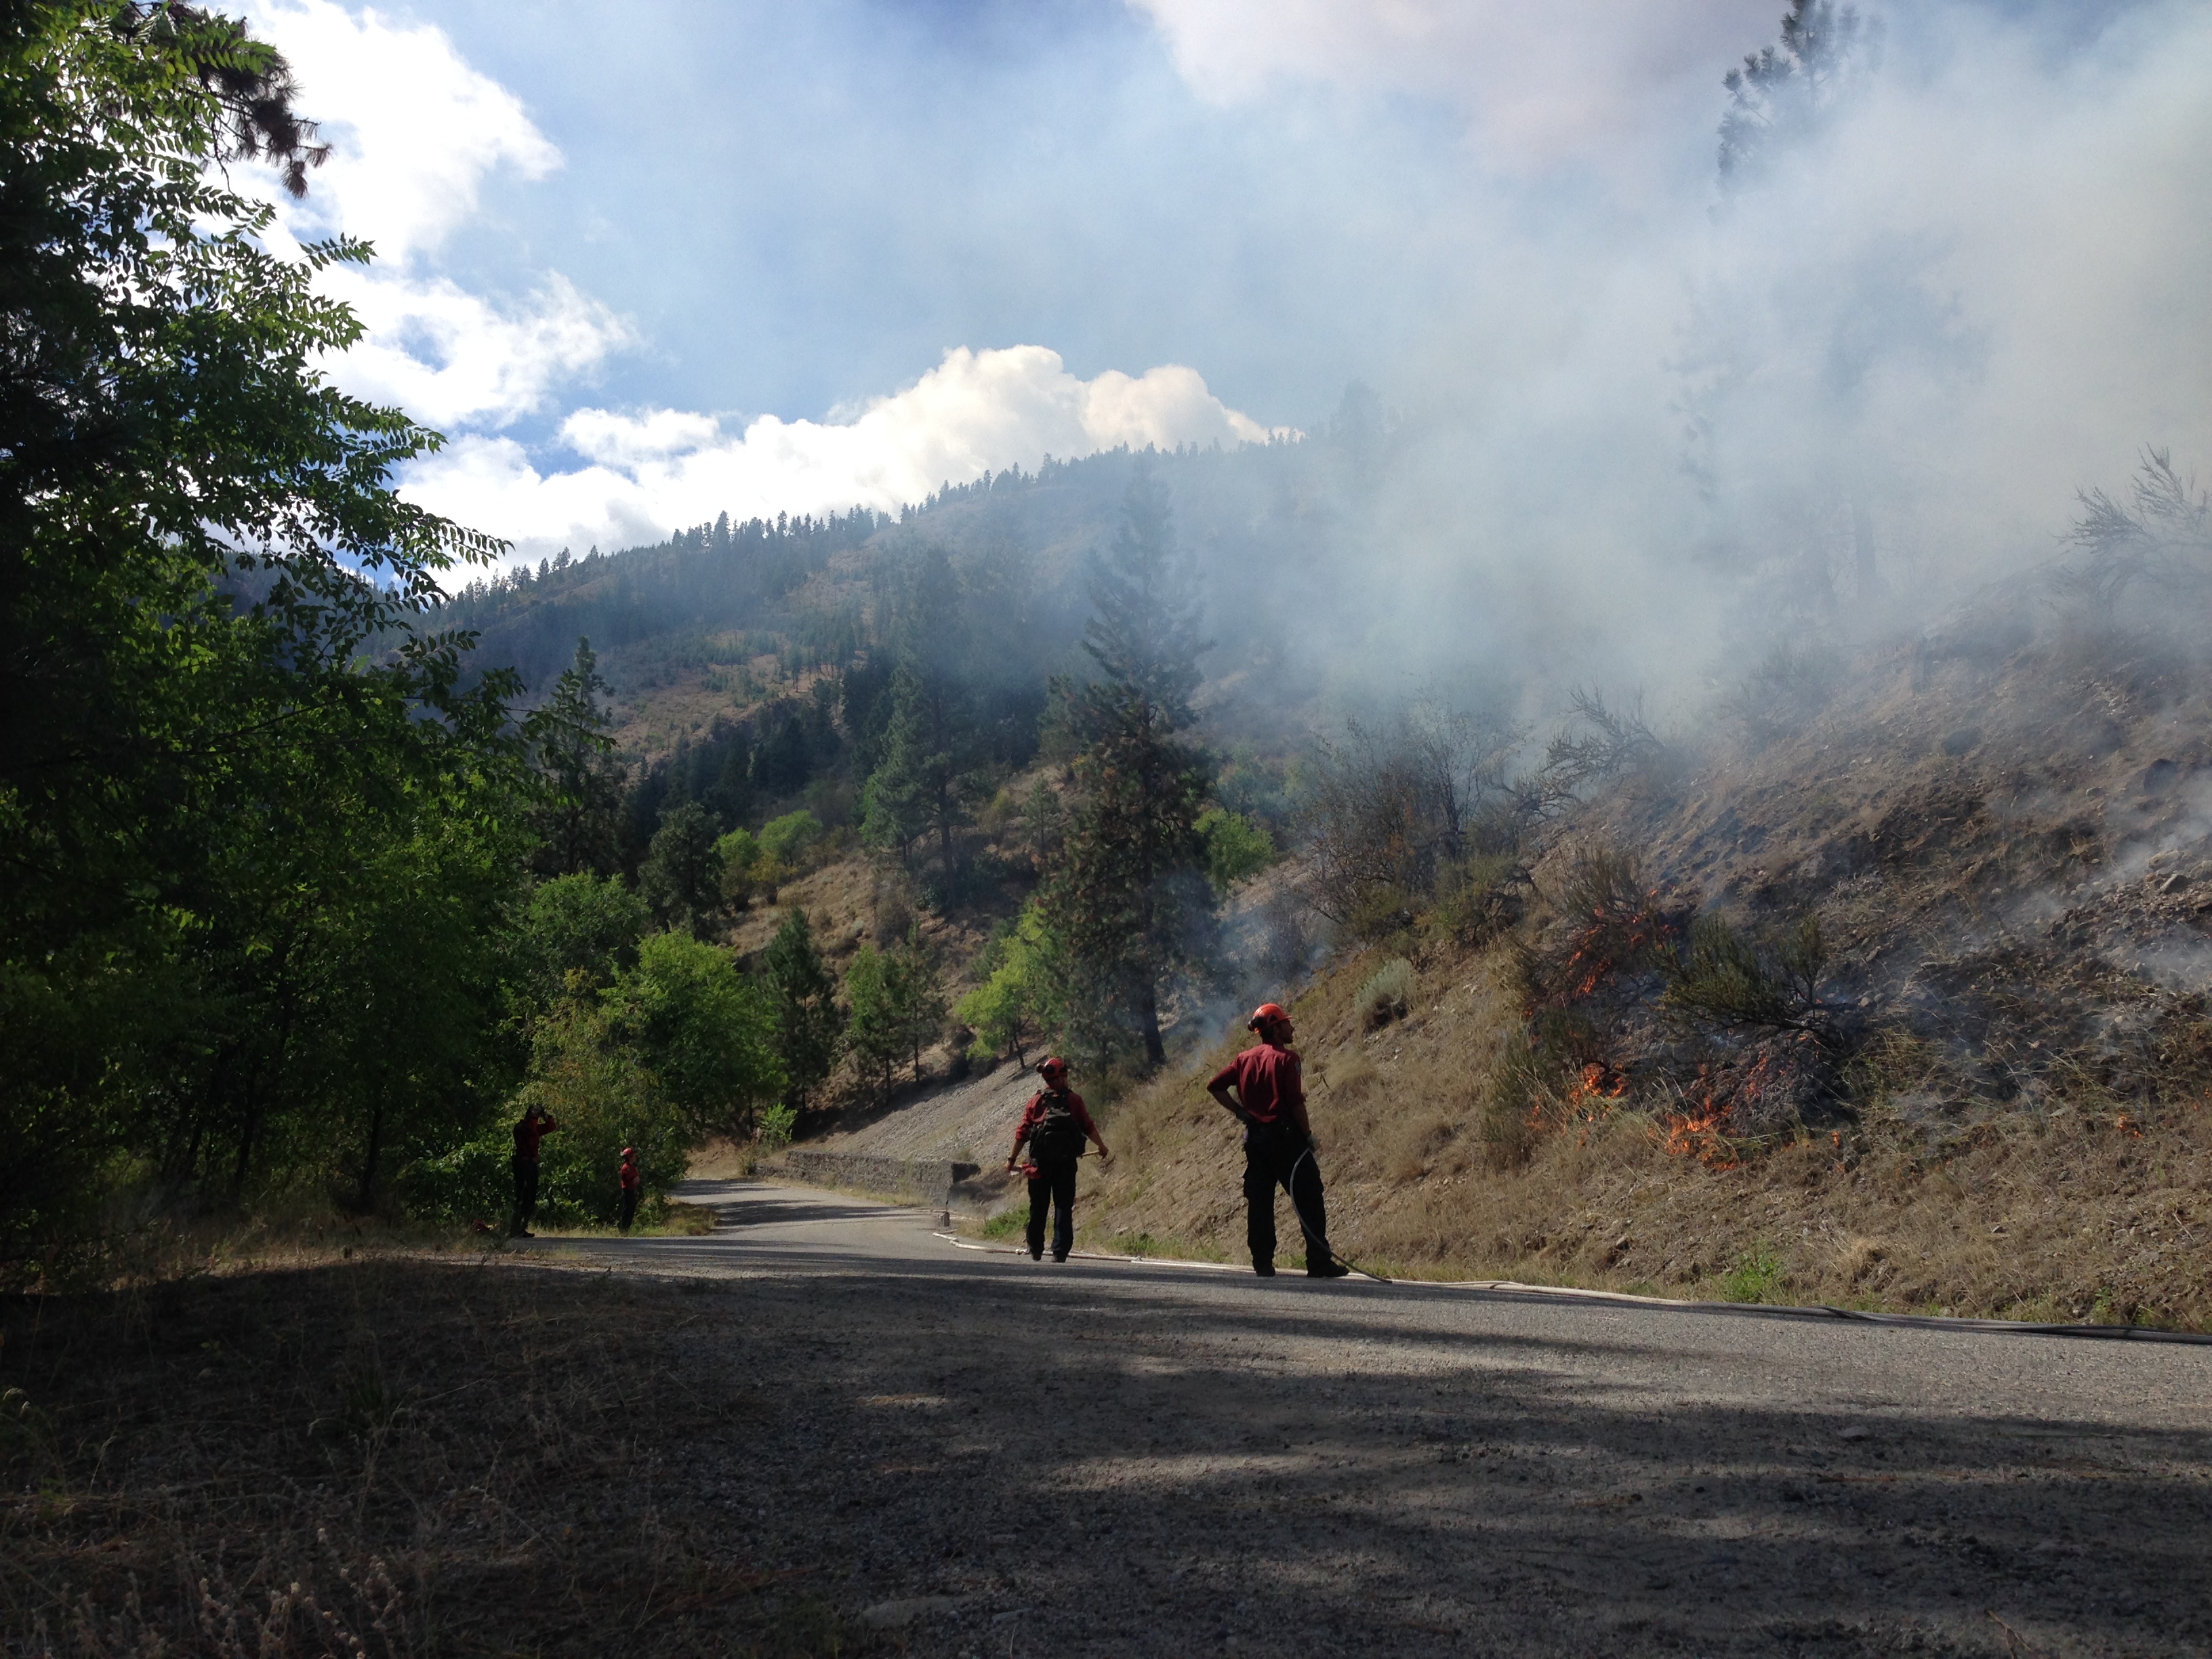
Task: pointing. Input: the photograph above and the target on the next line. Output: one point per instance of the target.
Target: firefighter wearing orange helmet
(1055, 1124)
(1264, 1089)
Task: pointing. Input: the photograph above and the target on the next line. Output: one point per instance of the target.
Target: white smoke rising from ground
(1569, 81)
(1978, 289)
(1651, 438)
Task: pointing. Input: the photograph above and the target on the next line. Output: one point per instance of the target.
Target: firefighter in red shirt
(1055, 1124)
(1270, 1101)
(530, 1128)
(630, 1181)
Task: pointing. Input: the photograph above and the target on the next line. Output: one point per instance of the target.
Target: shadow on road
(1295, 1465)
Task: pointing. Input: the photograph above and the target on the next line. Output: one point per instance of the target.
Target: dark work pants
(1054, 1185)
(526, 1193)
(1278, 1157)
(629, 1208)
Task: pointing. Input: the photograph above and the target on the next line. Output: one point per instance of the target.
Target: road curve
(992, 1456)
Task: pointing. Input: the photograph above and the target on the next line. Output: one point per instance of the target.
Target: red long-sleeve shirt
(1269, 1081)
(1033, 1115)
(629, 1177)
(529, 1130)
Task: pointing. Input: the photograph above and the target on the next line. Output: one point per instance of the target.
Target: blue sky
(649, 262)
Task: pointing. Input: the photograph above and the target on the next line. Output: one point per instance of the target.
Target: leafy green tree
(1020, 1000)
(218, 804)
(1237, 849)
(682, 876)
(704, 1032)
(808, 1023)
(1125, 887)
(581, 816)
(579, 930)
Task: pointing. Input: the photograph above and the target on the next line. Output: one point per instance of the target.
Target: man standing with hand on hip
(1269, 1098)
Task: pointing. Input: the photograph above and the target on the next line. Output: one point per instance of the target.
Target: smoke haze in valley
(1637, 427)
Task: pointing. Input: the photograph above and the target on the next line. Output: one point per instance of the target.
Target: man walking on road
(1055, 1124)
(532, 1126)
(1269, 1099)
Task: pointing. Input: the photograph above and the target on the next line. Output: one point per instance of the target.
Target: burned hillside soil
(2009, 853)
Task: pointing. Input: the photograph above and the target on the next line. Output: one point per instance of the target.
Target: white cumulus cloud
(414, 132)
(655, 471)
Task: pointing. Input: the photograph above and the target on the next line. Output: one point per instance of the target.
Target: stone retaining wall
(929, 1179)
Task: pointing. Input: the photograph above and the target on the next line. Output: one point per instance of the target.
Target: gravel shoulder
(975, 1454)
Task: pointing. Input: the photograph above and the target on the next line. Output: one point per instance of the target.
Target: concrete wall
(927, 1180)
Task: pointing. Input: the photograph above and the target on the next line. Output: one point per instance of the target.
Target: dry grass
(389, 1457)
(2090, 1214)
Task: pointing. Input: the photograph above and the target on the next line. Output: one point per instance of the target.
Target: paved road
(990, 1455)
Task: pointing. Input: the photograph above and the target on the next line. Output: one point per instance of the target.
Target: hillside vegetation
(1989, 1096)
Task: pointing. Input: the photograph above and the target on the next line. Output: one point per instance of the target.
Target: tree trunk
(1148, 1014)
(366, 1200)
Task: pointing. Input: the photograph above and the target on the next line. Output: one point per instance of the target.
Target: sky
(643, 265)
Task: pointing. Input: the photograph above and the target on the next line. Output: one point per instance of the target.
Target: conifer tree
(581, 816)
(808, 1023)
(873, 1032)
(682, 876)
(1126, 889)
(891, 803)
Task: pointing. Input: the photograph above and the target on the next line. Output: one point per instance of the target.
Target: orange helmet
(1052, 1067)
(1267, 1014)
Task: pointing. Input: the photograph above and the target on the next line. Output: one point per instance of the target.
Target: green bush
(475, 1181)
(1237, 849)
(787, 839)
(740, 853)
(1725, 979)
(1386, 993)
(1476, 901)
(1756, 1277)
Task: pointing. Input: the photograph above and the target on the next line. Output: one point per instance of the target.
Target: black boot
(1329, 1267)
(1265, 1269)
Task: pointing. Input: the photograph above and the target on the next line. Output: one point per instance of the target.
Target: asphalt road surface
(974, 1454)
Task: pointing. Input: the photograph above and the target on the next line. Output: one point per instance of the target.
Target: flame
(1700, 1130)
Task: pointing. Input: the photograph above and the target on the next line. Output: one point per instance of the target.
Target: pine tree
(580, 819)
(890, 802)
(682, 876)
(808, 1023)
(918, 995)
(1125, 887)
(873, 1032)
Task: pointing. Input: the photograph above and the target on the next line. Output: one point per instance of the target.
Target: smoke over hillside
(1664, 422)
